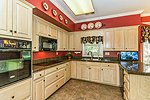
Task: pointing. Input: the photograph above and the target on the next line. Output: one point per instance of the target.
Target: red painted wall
(38, 4)
(115, 22)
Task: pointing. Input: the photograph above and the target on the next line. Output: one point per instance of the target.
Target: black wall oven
(15, 61)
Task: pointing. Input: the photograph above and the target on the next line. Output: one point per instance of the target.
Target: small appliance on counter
(47, 44)
(129, 56)
(15, 61)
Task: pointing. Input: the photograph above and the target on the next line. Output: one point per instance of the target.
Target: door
(22, 19)
(71, 41)
(108, 75)
(131, 38)
(118, 39)
(67, 73)
(108, 40)
(53, 32)
(6, 17)
(38, 89)
(77, 42)
(60, 44)
(95, 73)
(73, 69)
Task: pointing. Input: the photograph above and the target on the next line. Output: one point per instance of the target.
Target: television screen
(129, 56)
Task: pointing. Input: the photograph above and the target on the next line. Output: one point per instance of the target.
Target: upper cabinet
(121, 39)
(62, 42)
(131, 39)
(74, 42)
(16, 19)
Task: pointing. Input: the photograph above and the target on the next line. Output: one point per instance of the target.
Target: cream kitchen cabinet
(73, 69)
(38, 89)
(131, 38)
(108, 73)
(18, 91)
(17, 18)
(52, 32)
(62, 43)
(114, 39)
(67, 73)
(74, 42)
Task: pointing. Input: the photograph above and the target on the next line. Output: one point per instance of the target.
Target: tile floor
(82, 90)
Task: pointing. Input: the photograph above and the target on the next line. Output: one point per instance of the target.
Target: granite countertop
(137, 68)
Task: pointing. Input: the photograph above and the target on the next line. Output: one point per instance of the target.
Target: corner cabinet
(17, 18)
(121, 39)
(62, 43)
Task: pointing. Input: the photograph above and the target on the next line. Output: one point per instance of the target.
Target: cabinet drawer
(108, 65)
(38, 75)
(53, 87)
(53, 76)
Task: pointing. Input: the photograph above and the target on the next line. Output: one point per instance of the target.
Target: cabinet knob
(10, 30)
(108, 65)
(102, 69)
(49, 35)
(56, 68)
(126, 48)
(40, 74)
(56, 75)
(15, 31)
(34, 47)
(65, 69)
(56, 85)
(13, 97)
(44, 80)
(64, 48)
(89, 68)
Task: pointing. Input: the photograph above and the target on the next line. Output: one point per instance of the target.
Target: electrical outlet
(106, 53)
(56, 53)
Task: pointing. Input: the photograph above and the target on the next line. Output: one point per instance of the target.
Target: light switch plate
(56, 53)
(106, 53)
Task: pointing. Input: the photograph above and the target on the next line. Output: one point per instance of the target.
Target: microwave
(47, 44)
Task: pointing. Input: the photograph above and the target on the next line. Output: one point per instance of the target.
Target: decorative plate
(98, 25)
(83, 26)
(60, 17)
(90, 26)
(54, 13)
(45, 5)
(66, 22)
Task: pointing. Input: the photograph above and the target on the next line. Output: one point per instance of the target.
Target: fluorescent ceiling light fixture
(80, 7)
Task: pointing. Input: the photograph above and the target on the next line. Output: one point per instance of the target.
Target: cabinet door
(65, 41)
(77, 42)
(38, 89)
(108, 75)
(6, 17)
(71, 41)
(60, 41)
(7, 94)
(52, 32)
(95, 73)
(22, 19)
(108, 40)
(118, 39)
(73, 69)
(67, 73)
(131, 38)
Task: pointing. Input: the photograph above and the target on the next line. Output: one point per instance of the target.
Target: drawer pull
(15, 31)
(89, 68)
(56, 75)
(44, 80)
(40, 74)
(13, 97)
(102, 69)
(56, 85)
(66, 64)
(10, 30)
(65, 69)
(56, 68)
(108, 65)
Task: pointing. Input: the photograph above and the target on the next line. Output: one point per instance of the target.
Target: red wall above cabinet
(114, 22)
(48, 15)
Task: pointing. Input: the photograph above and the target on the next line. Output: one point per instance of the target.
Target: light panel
(80, 7)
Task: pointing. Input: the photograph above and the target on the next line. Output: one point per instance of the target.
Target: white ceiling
(107, 9)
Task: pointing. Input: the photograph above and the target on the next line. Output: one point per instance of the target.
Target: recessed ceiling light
(80, 7)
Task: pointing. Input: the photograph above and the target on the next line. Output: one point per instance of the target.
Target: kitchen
(109, 50)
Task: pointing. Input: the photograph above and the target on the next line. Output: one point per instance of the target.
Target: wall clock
(83, 26)
(45, 5)
(60, 17)
(66, 22)
(98, 25)
(90, 26)
(54, 13)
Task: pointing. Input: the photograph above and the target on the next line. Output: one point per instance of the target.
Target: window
(96, 49)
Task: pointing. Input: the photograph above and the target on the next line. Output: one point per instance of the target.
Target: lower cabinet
(73, 69)
(95, 73)
(18, 91)
(38, 89)
(67, 73)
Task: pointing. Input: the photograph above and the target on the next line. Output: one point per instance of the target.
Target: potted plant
(68, 55)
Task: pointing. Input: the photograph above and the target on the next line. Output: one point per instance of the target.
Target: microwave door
(46, 46)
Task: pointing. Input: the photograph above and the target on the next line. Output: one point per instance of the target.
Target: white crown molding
(145, 14)
(111, 16)
(62, 9)
(147, 23)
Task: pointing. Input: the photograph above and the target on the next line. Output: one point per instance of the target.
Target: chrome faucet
(91, 54)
